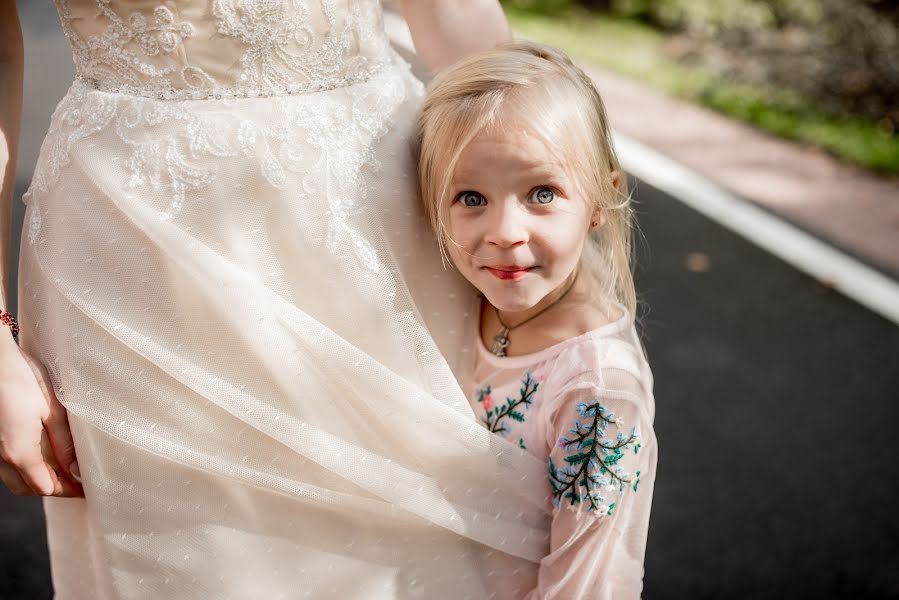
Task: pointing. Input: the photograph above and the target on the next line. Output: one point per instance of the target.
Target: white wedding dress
(227, 275)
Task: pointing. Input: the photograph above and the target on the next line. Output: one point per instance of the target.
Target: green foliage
(783, 101)
(850, 138)
(553, 8)
(686, 14)
(712, 15)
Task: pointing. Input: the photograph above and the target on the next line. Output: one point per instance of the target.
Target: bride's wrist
(9, 329)
(8, 344)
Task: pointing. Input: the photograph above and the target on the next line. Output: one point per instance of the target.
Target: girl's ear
(599, 216)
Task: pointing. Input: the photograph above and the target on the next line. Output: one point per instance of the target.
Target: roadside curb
(848, 207)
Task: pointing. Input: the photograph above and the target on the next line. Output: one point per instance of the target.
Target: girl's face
(517, 222)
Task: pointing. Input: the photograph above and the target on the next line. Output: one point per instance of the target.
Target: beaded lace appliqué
(72, 121)
(34, 226)
(172, 150)
(591, 475)
(124, 51)
(168, 165)
(281, 50)
(279, 47)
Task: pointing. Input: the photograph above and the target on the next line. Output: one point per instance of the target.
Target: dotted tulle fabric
(228, 276)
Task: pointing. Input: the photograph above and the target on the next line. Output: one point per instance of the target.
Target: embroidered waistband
(240, 91)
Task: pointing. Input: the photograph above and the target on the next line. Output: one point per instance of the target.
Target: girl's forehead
(517, 147)
(507, 123)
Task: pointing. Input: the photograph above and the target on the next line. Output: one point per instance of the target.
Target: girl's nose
(507, 227)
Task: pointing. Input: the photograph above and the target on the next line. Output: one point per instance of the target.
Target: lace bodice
(193, 49)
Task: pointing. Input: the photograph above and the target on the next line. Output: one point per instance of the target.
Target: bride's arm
(11, 65)
(446, 30)
(36, 448)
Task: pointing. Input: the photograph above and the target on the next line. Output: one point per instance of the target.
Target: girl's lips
(510, 272)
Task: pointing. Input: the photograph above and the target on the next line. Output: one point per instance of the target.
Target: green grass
(636, 50)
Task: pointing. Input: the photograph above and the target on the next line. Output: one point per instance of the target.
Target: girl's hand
(37, 454)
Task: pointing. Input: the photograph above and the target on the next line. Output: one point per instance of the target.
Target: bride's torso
(192, 49)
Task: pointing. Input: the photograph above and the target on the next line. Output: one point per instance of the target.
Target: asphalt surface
(776, 413)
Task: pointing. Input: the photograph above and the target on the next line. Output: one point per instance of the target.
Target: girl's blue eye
(543, 195)
(472, 199)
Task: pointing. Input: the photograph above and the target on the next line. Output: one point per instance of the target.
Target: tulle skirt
(243, 311)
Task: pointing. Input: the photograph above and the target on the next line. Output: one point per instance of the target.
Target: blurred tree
(841, 54)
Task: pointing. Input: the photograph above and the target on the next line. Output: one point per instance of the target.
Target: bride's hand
(36, 448)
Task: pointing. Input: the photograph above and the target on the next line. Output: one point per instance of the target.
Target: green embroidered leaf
(595, 459)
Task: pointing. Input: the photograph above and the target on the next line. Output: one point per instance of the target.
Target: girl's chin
(509, 305)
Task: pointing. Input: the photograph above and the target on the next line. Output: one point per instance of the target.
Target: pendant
(500, 342)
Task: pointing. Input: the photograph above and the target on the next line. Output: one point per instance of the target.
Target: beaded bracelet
(10, 320)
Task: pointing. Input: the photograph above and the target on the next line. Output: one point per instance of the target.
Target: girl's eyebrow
(462, 173)
(545, 169)
(552, 176)
(461, 177)
(461, 182)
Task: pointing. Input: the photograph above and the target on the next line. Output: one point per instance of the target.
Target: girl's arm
(36, 446)
(596, 545)
(446, 30)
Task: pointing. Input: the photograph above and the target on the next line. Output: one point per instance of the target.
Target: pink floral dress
(585, 407)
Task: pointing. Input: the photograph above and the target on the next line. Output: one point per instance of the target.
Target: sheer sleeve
(603, 453)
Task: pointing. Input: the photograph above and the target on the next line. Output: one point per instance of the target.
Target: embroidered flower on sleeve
(591, 475)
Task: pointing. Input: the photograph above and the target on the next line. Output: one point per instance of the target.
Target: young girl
(522, 186)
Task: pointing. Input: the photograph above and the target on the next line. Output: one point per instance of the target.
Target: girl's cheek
(460, 227)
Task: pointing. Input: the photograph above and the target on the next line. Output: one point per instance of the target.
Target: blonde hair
(562, 106)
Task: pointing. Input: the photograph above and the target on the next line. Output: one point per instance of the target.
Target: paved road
(776, 418)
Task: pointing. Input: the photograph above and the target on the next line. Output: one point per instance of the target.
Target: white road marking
(805, 252)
